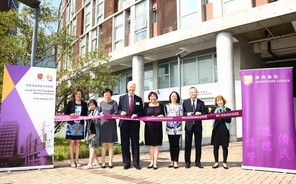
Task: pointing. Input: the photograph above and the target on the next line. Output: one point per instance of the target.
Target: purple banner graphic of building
(27, 118)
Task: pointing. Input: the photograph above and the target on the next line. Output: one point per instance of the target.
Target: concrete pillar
(155, 75)
(225, 70)
(138, 74)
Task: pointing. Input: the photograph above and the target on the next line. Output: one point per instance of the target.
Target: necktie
(131, 105)
(193, 105)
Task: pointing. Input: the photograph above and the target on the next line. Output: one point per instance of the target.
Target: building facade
(166, 45)
(8, 143)
(8, 4)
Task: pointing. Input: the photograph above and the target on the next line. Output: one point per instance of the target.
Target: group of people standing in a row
(131, 105)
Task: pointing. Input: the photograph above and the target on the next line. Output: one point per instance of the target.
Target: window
(163, 76)
(94, 40)
(174, 74)
(118, 30)
(188, 12)
(194, 70)
(215, 69)
(67, 14)
(100, 11)
(126, 3)
(189, 72)
(121, 88)
(74, 26)
(83, 48)
(87, 17)
(73, 7)
(69, 28)
(205, 69)
(232, 6)
(141, 21)
(148, 79)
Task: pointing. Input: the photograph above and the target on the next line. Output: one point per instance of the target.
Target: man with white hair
(130, 105)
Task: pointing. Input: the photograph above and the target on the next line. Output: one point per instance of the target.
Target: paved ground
(62, 173)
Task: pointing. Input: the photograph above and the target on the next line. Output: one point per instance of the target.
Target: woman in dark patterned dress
(153, 130)
(75, 129)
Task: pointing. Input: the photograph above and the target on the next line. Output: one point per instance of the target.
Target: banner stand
(9, 169)
(269, 141)
(27, 118)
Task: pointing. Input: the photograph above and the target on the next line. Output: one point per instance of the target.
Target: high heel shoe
(176, 165)
(78, 164)
(155, 167)
(88, 167)
(216, 165)
(225, 166)
(73, 164)
(150, 166)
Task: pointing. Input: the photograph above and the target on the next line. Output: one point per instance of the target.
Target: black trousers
(216, 153)
(174, 147)
(196, 130)
(129, 133)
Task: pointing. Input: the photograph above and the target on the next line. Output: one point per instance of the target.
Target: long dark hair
(178, 97)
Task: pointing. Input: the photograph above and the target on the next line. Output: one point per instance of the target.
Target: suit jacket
(124, 106)
(187, 107)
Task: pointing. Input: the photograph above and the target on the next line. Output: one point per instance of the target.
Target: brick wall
(167, 15)
(106, 35)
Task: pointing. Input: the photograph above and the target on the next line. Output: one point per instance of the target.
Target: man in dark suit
(130, 105)
(193, 106)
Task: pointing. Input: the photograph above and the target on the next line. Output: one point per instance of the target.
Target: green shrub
(61, 149)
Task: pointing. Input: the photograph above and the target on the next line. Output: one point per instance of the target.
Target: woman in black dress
(220, 133)
(153, 130)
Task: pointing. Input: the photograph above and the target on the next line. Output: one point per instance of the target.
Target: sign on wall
(27, 118)
(268, 120)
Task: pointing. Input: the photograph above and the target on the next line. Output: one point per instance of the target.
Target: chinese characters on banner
(27, 118)
(268, 120)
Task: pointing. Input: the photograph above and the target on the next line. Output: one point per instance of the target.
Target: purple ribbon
(221, 115)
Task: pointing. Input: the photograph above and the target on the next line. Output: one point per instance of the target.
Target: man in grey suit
(130, 105)
(193, 106)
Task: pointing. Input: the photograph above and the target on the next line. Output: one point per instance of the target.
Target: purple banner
(268, 119)
(228, 114)
(27, 118)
